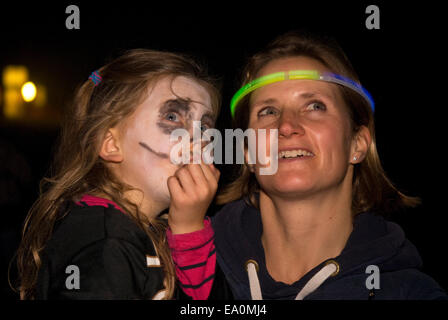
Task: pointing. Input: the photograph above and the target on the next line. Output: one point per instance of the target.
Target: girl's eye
(267, 111)
(172, 116)
(316, 106)
(204, 127)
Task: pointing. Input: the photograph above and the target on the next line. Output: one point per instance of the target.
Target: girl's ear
(110, 149)
(360, 145)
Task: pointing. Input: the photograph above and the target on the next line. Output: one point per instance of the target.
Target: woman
(314, 228)
(96, 231)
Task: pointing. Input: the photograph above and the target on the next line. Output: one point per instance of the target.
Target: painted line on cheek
(159, 154)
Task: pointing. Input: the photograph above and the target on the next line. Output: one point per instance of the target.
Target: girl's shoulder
(114, 257)
(95, 219)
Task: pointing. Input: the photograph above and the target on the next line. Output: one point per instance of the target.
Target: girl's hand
(192, 189)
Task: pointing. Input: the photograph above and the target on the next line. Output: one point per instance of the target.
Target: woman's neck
(300, 234)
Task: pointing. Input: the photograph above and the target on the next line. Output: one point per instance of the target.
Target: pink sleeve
(195, 260)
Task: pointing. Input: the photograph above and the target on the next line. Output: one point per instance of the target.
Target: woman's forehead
(296, 90)
(292, 63)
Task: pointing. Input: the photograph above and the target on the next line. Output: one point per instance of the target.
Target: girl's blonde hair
(372, 189)
(77, 168)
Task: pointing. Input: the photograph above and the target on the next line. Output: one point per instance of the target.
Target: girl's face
(145, 137)
(312, 121)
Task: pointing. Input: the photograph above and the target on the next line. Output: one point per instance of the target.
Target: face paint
(171, 104)
(161, 155)
(179, 114)
(171, 115)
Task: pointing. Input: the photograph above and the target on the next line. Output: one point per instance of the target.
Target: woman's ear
(360, 145)
(110, 149)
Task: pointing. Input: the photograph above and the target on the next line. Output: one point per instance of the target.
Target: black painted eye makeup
(180, 106)
(172, 115)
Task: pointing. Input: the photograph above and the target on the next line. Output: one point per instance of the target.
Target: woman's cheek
(336, 148)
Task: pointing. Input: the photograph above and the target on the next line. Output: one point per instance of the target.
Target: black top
(113, 256)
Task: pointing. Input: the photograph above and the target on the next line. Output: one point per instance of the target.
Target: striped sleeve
(194, 258)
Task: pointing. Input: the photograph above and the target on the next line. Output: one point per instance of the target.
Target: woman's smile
(294, 154)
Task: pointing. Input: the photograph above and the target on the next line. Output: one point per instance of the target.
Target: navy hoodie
(373, 241)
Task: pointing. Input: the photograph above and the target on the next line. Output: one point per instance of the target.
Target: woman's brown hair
(77, 168)
(372, 189)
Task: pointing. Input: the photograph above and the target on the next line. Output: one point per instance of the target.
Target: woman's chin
(290, 189)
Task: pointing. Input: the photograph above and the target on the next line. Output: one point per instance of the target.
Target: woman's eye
(316, 106)
(267, 112)
(204, 127)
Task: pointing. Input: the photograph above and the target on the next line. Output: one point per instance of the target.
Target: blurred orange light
(14, 76)
(41, 98)
(13, 105)
(29, 91)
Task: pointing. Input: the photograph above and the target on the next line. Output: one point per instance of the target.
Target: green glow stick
(298, 75)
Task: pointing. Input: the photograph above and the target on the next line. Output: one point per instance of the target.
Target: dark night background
(400, 64)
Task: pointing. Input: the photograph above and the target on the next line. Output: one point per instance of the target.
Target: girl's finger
(211, 173)
(215, 171)
(197, 173)
(174, 186)
(186, 180)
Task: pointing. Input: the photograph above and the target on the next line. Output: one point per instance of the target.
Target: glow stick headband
(299, 75)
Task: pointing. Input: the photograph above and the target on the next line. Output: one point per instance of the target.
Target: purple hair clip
(96, 78)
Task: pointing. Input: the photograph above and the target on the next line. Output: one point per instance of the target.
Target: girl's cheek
(159, 138)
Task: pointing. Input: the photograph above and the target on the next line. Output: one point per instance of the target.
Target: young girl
(314, 229)
(96, 232)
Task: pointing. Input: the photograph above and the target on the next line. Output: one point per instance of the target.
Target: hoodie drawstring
(330, 269)
(254, 284)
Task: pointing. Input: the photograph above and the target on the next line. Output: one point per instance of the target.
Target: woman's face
(145, 141)
(314, 134)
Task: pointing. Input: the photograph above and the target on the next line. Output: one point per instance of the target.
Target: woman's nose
(289, 124)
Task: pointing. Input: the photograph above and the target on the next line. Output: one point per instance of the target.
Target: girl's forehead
(165, 91)
(181, 87)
